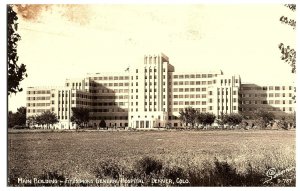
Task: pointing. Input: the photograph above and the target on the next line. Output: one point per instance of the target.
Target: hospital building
(152, 93)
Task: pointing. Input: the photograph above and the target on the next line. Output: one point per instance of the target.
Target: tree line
(45, 120)
(191, 117)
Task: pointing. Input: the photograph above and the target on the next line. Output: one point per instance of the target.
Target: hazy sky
(61, 41)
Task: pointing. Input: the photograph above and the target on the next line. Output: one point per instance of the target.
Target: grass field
(198, 158)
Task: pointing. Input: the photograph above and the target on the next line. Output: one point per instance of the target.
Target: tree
(263, 118)
(188, 116)
(31, 121)
(47, 118)
(15, 73)
(80, 116)
(288, 54)
(102, 123)
(18, 118)
(40, 120)
(232, 119)
(205, 118)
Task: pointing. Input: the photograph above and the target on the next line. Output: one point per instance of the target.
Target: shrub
(108, 169)
(148, 165)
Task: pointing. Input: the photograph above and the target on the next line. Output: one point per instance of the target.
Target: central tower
(148, 93)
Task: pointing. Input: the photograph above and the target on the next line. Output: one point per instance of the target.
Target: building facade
(152, 94)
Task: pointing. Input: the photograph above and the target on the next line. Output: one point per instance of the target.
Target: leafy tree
(31, 121)
(188, 116)
(18, 118)
(201, 118)
(263, 118)
(47, 118)
(207, 118)
(15, 73)
(288, 54)
(232, 119)
(102, 123)
(80, 116)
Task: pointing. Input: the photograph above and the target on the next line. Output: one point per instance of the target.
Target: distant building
(277, 99)
(152, 94)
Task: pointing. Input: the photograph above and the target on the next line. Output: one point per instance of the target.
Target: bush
(108, 169)
(148, 165)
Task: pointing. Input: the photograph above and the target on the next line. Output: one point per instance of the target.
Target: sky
(65, 41)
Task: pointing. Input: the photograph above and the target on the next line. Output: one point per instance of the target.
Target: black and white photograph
(151, 95)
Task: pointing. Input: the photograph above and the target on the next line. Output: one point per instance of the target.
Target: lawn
(203, 158)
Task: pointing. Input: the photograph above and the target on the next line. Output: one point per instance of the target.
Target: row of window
(268, 102)
(154, 70)
(268, 87)
(189, 102)
(226, 92)
(269, 109)
(265, 95)
(228, 81)
(187, 76)
(150, 109)
(149, 59)
(150, 77)
(37, 104)
(198, 109)
(38, 110)
(226, 100)
(107, 84)
(38, 98)
(194, 82)
(110, 78)
(222, 108)
(110, 91)
(189, 96)
(39, 92)
(189, 89)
